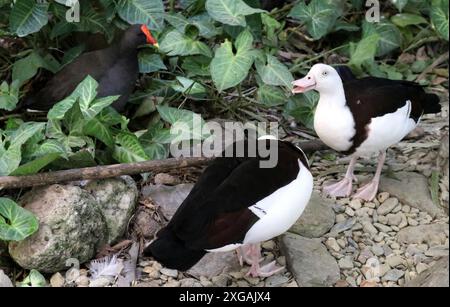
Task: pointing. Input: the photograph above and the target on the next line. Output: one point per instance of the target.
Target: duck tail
(432, 104)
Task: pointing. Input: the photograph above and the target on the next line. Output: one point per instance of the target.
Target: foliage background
(218, 58)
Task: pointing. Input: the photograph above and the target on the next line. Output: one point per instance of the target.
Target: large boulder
(317, 219)
(309, 261)
(412, 190)
(71, 226)
(117, 198)
(436, 276)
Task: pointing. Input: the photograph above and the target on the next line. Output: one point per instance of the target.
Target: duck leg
(343, 188)
(243, 253)
(369, 191)
(256, 270)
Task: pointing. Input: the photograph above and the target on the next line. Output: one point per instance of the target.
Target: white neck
(334, 96)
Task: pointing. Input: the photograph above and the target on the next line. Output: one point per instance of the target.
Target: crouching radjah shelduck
(363, 116)
(236, 205)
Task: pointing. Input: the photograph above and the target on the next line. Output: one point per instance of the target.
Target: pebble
(72, 275)
(437, 251)
(349, 211)
(342, 284)
(169, 272)
(269, 245)
(387, 206)
(252, 280)
(377, 250)
(152, 272)
(395, 261)
(346, 263)
(332, 244)
(221, 280)
(382, 228)
(355, 204)
(406, 209)
(369, 228)
(393, 275)
(99, 282)
(276, 280)
(172, 284)
(83, 281)
(382, 197)
(205, 282)
(394, 219)
(57, 280)
(421, 267)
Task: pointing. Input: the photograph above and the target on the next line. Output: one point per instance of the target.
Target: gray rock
(394, 219)
(309, 261)
(436, 276)
(71, 226)
(393, 275)
(168, 198)
(343, 226)
(437, 251)
(117, 198)
(5, 282)
(276, 281)
(317, 219)
(377, 250)
(412, 190)
(100, 282)
(214, 264)
(169, 272)
(346, 263)
(421, 234)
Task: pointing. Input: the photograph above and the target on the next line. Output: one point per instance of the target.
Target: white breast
(280, 210)
(334, 124)
(387, 130)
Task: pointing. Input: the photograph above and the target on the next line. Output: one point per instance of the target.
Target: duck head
(322, 78)
(136, 36)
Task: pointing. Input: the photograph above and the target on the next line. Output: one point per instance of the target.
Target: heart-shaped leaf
(146, 12)
(230, 12)
(439, 17)
(129, 149)
(275, 72)
(390, 37)
(364, 51)
(28, 16)
(16, 223)
(271, 96)
(176, 43)
(228, 69)
(405, 19)
(150, 62)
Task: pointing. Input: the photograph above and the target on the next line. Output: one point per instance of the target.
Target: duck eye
(325, 73)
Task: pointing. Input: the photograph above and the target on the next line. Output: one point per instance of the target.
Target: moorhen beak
(148, 34)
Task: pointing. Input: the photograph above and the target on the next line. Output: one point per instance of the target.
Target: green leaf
(25, 132)
(156, 151)
(99, 130)
(150, 62)
(302, 108)
(10, 160)
(98, 105)
(400, 4)
(188, 87)
(34, 279)
(271, 96)
(187, 122)
(28, 16)
(146, 12)
(60, 109)
(27, 67)
(230, 12)
(176, 43)
(16, 223)
(364, 51)
(86, 92)
(36, 165)
(390, 37)
(72, 54)
(9, 95)
(319, 16)
(229, 69)
(197, 66)
(439, 17)
(275, 72)
(129, 149)
(403, 20)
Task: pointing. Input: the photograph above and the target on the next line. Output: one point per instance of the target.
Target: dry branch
(110, 171)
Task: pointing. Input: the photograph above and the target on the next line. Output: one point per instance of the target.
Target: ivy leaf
(150, 62)
(176, 43)
(319, 16)
(9, 95)
(274, 72)
(60, 109)
(28, 16)
(390, 37)
(97, 106)
(439, 17)
(25, 132)
(27, 67)
(364, 51)
(187, 123)
(230, 12)
(197, 66)
(9, 160)
(16, 223)
(146, 12)
(228, 69)
(403, 20)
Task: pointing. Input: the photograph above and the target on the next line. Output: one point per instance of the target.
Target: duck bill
(148, 34)
(304, 85)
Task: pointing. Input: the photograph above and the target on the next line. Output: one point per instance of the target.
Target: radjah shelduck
(235, 205)
(362, 117)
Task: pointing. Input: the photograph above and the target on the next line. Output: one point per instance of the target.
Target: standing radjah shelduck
(363, 116)
(235, 205)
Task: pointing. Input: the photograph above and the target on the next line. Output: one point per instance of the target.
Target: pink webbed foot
(244, 255)
(265, 271)
(342, 188)
(368, 192)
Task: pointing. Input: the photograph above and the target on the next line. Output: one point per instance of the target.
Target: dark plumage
(217, 212)
(115, 68)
